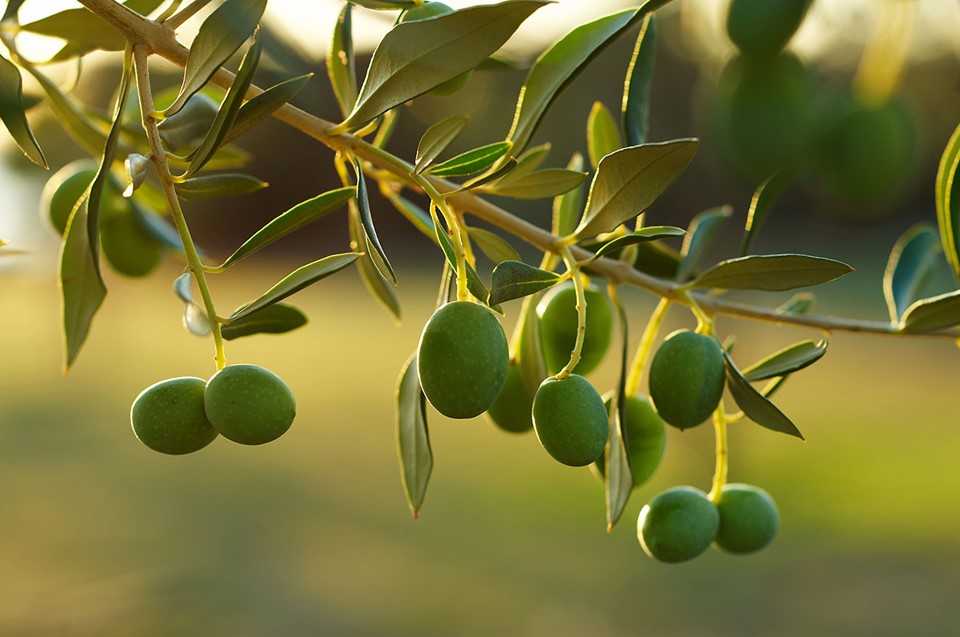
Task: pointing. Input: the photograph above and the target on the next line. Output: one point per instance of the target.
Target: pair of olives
(681, 523)
(244, 403)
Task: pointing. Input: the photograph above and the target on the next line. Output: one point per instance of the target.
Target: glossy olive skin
(558, 328)
(748, 519)
(511, 411)
(63, 190)
(169, 416)
(249, 404)
(687, 377)
(462, 359)
(677, 525)
(570, 420)
(127, 246)
(645, 439)
(764, 27)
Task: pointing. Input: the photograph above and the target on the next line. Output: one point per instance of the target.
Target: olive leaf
(436, 139)
(515, 279)
(413, 438)
(618, 477)
(629, 180)
(649, 233)
(492, 175)
(273, 319)
(293, 219)
(539, 184)
(386, 5)
(799, 303)
(762, 203)
(948, 201)
(531, 159)
(341, 65)
(603, 134)
(495, 247)
(635, 106)
(195, 319)
(755, 405)
(472, 161)
(701, 235)
(388, 123)
(568, 206)
(259, 108)
(219, 37)
(786, 361)
(415, 57)
(529, 350)
(218, 185)
(909, 268)
(78, 124)
(13, 113)
(85, 31)
(377, 254)
(378, 287)
(932, 314)
(474, 282)
(770, 272)
(296, 281)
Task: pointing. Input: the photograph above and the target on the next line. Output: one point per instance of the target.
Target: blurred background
(311, 534)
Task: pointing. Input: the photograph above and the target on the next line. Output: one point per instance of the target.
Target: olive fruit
(169, 416)
(763, 27)
(686, 378)
(433, 10)
(64, 189)
(127, 245)
(249, 404)
(677, 525)
(558, 328)
(462, 359)
(511, 410)
(645, 438)
(570, 420)
(748, 518)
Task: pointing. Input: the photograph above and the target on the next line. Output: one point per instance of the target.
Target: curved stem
(458, 235)
(574, 271)
(721, 468)
(645, 346)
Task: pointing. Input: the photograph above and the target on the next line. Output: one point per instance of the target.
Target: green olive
(127, 246)
(763, 27)
(462, 359)
(511, 411)
(677, 525)
(645, 438)
(686, 378)
(558, 328)
(570, 420)
(63, 190)
(748, 519)
(169, 416)
(249, 404)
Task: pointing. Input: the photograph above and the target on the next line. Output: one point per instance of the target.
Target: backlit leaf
(436, 139)
(910, 266)
(274, 319)
(515, 279)
(472, 161)
(617, 477)
(568, 207)
(378, 287)
(78, 125)
(13, 114)
(386, 5)
(259, 108)
(760, 206)
(531, 159)
(370, 232)
(84, 30)
(933, 314)
(218, 185)
(649, 233)
(948, 202)
(341, 67)
(540, 184)
(755, 405)
(495, 247)
(413, 439)
(786, 361)
(701, 235)
(603, 133)
(771, 272)
(492, 175)
(799, 303)
(637, 88)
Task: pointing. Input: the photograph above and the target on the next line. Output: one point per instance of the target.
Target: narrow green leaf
(516, 279)
(649, 233)
(296, 281)
(531, 159)
(259, 108)
(568, 207)
(932, 314)
(370, 232)
(755, 405)
(635, 106)
(762, 203)
(701, 235)
(495, 247)
(771, 272)
(787, 361)
(413, 439)
(540, 184)
(656, 259)
(77, 124)
(618, 477)
(341, 66)
(10, 14)
(379, 288)
(274, 319)
(436, 139)
(220, 35)
(553, 71)
(229, 108)
(474, 282)
(799, 303)
(948, 201)
(415, 57)
(603, 134)
(491, 175)
(290, 221)
(909, 268)
(629, 180)
(472, 161)
(386, 5)
(84, 31)
(417, 216)
(13, 114)
(218, 185)
(388, 123)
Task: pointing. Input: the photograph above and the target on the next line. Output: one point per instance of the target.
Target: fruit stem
(720, 471)
(457, 234)
(159, 159)
(574, 269)
(645, 346)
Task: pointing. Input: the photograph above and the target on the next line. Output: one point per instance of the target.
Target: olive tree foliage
(156, 152)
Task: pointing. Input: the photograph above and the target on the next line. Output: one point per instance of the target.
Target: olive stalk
(722, 465)
(646, 346)
(573, 268)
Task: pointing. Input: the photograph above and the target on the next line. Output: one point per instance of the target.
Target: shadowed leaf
(760, 206)
(413, 438)
(649, 233)
(341, 66)
(933, 314)
(786, 361)
(378, 287)
(701, 235)
(13, 114)
(218, 185)
(436, 139)
(603, 134)
(495, 247)
(540, 184)
(771, 272)
(617, 477)
(515, 279)
(472, 161)
(755, 405)
(274, 319)
(909, 268)
(637, 89)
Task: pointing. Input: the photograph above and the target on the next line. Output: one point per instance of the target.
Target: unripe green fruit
(677, 525)
(188, 126)
(570, 420)
(645, 439)
(432, 10)
(169, 416)
(763, 27)
(462, 359)
(249, 404)
(511, 410)
(127, 246)
(63, 191)
(558, 328)
(748, 519)
(686, 378)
